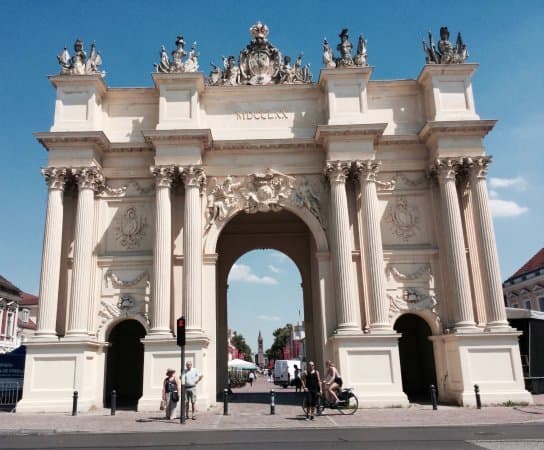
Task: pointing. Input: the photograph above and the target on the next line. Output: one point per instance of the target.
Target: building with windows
(10, 297)
(525, 288)
(376, 189)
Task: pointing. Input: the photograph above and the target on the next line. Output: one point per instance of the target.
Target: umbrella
(241, 364)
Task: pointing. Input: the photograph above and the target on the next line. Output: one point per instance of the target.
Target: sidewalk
(257, 416)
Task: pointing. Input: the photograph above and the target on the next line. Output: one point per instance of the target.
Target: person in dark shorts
(332, 382)
(311, 383)
(297, 380)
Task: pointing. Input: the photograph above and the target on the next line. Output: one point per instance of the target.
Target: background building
(525, 289)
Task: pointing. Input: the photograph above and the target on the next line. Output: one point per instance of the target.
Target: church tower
(260, 353)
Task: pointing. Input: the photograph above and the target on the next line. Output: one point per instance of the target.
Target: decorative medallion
(412, 300)
(403, 219)
(260, 63)
(130, 228)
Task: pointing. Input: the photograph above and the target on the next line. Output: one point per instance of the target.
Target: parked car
(284, 371)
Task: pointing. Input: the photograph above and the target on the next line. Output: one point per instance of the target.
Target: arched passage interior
(416, 356)
(125, 363)
(287, 233)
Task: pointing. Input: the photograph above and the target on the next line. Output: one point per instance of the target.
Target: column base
(490, 360)
(54, 370)
(370, 365)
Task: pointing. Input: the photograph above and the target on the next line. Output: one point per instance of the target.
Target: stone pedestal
(370, 364)
(490, 360)
(54, 370)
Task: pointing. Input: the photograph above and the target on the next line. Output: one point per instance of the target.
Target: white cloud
(506, 208)
(280, 257)
(273, 269)
(493, 194)
(241, 272)
(519, 183)
(268, 318)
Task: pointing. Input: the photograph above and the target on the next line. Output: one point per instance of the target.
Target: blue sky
(505, 38)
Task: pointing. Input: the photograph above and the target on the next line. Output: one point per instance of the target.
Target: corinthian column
(347, 305)
(372, 236)
(89, 179)
(445, 170)
(55, 178)
(487, 249)
(193, 179)
(162, 253)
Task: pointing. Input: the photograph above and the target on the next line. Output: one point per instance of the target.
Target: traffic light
(181, 331)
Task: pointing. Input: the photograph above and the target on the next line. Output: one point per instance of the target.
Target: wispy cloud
(506, 208)
(273, 269)
(243, 273)
(269, 318)
(280, 257)
(519, 183)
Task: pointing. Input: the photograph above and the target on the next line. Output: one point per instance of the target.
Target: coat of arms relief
(130, 227)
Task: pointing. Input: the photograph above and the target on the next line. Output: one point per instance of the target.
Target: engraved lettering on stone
(117, 282)
(403, 219)
(267, 115)
(130, 228)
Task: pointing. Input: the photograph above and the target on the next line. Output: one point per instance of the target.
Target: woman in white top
(332, 382)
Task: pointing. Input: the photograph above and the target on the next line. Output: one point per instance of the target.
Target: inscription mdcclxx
(267, 115)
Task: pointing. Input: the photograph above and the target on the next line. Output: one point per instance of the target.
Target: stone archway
(287, 233)
(125, 363)
(416, 356)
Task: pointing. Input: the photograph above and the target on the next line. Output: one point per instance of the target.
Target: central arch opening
(286, 233)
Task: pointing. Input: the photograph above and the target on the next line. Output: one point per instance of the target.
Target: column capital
(337, 171)
(55, 177)
(477, 167)
(193, 176)
(445, 169)
(164, 175)
(89, 178)
(367, 170)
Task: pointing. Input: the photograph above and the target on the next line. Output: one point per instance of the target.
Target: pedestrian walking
(170, 393)
(297, 380)
(251, 378)
(311, 383)
(191, 377)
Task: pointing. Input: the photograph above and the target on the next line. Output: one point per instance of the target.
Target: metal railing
(10, 394)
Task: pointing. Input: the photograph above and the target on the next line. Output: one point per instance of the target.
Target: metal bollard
(74, 404)
(225, 402)
(478, 399)
(272, 402)
(113, 402)
(433, 397)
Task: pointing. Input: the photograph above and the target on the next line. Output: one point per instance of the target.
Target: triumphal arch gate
(375, 188)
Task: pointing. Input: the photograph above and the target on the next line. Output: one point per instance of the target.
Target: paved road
(493, 437)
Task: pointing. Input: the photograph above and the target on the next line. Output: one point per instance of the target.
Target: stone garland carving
(78, 63)
(404, 219)
(133, 187)
(412, 300)
(118, 283)
(424, 271)
(260, 63)
(259, 192)
(446, 52)
(345, 48)
(130, 228)
(176, 64)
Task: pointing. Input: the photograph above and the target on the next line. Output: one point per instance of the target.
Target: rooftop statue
(446, 52)
(176, 63)
(78, 63)
(345, 48)
(259, 63)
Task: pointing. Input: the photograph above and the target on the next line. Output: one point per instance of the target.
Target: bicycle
(348, 403)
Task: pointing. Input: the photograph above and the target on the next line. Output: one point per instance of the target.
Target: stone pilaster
(446, 170)
(89, 180)
(487, 249)
(372, 238)
(194, 179)
(55, 178)
(162, 253)
(347, 305)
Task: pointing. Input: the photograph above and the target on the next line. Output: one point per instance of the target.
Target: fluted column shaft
(347, 305)
(194, 179)
(455, 243)
(52, 245)
(372, 236)
(162, 251)
(88, 179)
(487, 249)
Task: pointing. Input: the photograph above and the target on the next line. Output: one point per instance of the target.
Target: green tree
(281, 337)
(240, 343)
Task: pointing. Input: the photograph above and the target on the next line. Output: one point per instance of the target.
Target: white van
(284, 371)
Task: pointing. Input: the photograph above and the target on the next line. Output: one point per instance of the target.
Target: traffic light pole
(182, 396)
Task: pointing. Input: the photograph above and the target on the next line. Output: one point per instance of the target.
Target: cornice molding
(186, 136)
(95, 80)
(478, 128)
(352, 131)
(53, 139)
(265, 144)
(184, 78)
(430, 70)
